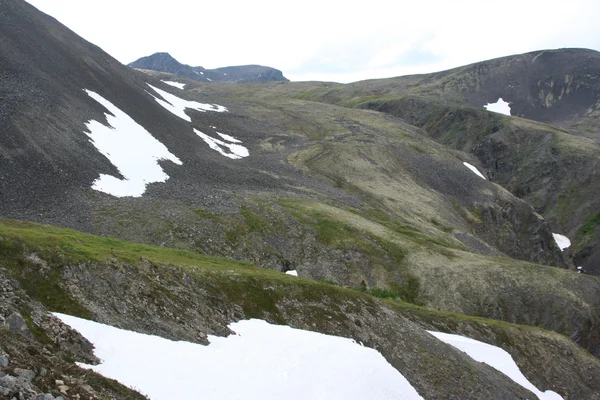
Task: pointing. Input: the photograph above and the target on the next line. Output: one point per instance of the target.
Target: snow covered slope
(261, 361)
(495, 357)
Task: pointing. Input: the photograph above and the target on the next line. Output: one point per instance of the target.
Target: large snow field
(130, 148)
(231, 150)
(474, 169)
(562, 241)
(177, 105)
(500, 106)
(496, 358)
(261, 361)
(178, 85)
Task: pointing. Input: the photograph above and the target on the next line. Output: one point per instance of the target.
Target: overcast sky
(341, 41)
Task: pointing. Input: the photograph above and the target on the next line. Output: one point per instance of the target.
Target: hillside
(186, 296)
(190, 200)
(164, 62)
(552, 167)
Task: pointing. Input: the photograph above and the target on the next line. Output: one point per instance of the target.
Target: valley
(375, 212)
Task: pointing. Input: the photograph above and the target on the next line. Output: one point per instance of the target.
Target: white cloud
(390, 55)
(324, 39)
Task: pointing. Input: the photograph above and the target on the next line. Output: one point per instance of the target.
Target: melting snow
(263, 361)
(229, 138)
(177, 105)
(496, 358)
(474, 169)
(178, 85)
(292, 272)
(562, 241)
(500, 106)
(230, 150)
(131, 148)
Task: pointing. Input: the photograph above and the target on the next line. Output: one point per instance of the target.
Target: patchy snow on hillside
(177, 105)
(130, 148)
(261, 361)
(230, 139)
(500, 106)
(496, 358)
(178, 85)
(474, 169)
(292, 272)
(562, 241)
(231, 150)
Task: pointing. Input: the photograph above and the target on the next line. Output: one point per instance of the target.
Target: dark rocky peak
(164, 62)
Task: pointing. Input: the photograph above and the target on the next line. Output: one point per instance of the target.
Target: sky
(330, 40)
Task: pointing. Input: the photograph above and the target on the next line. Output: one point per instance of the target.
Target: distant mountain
(164, 62)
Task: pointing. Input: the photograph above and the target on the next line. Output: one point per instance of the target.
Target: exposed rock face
(164, 62)
(186, 303)
(554, 170)
(553, 86)
(37, 349)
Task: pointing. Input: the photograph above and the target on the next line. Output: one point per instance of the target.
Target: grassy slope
(565, 189)
(257, 293)
(399, 231)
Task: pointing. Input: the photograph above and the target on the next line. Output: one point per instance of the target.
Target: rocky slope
(186, 296)
(553, 167)
(164, 62)
(346, 196)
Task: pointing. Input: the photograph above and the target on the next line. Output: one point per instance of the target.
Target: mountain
(552, 167)
(154, 203)
(163, 62)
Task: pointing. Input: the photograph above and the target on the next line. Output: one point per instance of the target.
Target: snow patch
(496, 358)
(229, 138)
(265, 362)
(178, 85)
(500, 106)
(292, 272)
(474, 169)
(178, 105)
(130, 148)
(562, 241)
(230, 150)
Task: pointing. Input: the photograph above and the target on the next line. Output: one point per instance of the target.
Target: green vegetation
(254, 222)
(341, 235)
(590, 226)
(38, 333)
(408, 291)
(66, 246)
(202, 213)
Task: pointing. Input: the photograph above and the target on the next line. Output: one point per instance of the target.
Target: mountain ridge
(557, 172)
(164, 62)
